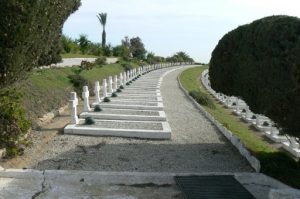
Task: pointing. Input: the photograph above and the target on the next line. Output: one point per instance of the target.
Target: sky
(169, 26)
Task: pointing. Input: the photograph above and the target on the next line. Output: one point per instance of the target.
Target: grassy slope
(48, 89)
(274, 162)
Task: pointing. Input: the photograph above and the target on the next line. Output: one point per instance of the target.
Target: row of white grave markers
(260, 122)
(112, 86)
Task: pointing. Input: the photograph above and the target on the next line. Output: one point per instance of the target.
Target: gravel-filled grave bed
(125, 125)
(129, 112)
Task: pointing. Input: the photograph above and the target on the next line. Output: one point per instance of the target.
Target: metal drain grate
(212, 187)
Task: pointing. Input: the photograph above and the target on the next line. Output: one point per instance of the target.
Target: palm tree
(102, 19)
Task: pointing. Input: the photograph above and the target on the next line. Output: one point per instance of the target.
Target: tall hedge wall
(30, 33)
(260, 62)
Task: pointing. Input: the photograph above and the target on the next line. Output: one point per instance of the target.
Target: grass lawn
(69, 55)
(48, 89)
(273, 161)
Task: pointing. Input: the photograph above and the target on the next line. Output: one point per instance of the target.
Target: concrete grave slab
(125, 115)
(117, 128)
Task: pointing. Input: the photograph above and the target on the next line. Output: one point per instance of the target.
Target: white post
(128, 76)
(121, 80)
(124, 77)
(248, 114)
(294, 143)
(110, 88)
(104, 88)
(73, 102)
(97, 89)
(115, 83)
(228, 101)
(85, 96)
(257, 120)
(274, 131)
(237, 105)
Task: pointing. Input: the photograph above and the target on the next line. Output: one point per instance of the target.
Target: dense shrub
(89, 121)
(260, 62)
(202, 99)
(114, 95)
(100, 61)
(97, 108)
(106, 99)
(127, 66)
(13, 122)
(86, 65)
(30, 34)
(137, 48)
(78, 82)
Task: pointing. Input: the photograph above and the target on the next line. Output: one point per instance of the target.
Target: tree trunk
(103, 39)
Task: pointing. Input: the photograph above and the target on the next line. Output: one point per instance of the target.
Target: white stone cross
(274, 131)
(125, 77)
(85, 96)
(121, 79)
(128, 76)
(97, 89)
(258, 121)
(104, 88)
(110, 88)
(73, 103)
(237, 108)
(115, 82)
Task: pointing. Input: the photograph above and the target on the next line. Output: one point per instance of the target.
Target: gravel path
(196, 146)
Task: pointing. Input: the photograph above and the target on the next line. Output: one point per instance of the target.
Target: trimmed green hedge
(30, 34)
(260, 62)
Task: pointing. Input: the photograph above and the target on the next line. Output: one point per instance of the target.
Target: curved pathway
(196, 146)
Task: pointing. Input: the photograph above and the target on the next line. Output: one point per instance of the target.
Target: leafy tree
(180, 57)
(102, 19)
(30, 33)
(137, 48)
(121, 51)
(94, 49)
(108, 50)
(66, 44)
(126, 48)
(83, 43)
(260, 62)
(151, 58)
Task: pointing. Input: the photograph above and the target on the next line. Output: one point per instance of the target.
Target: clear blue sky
(168, 26)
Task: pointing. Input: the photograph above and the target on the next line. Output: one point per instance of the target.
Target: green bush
(85, 65)
(97, 108)
(121, 87)
(106, 99)
(127, 66)
(78, 82)
(30, 35)
(202, 99)
(89, 121)
(119, 90)
(259, 62)
(100, 61)
(114, 95)
(13, 122)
